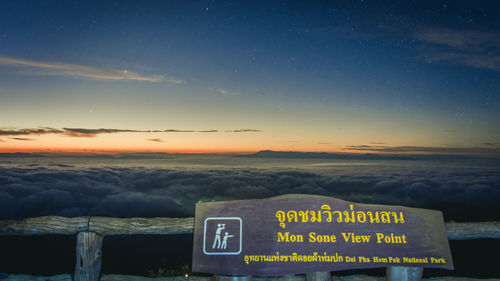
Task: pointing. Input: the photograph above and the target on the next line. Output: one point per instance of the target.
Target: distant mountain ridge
(351, 156)
(322, 155)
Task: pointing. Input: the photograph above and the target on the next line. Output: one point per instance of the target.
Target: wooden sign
(295, 234)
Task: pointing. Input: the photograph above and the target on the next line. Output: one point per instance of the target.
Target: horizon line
(249, 152)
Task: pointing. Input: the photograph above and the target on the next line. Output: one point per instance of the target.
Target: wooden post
(233, 278)
(403, 273)
(88, 256)
(319, 276)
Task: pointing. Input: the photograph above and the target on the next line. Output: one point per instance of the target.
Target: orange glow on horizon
(116, 151)
(218, 143)
(108, 150)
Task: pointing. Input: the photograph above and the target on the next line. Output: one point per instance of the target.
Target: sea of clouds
(461, 193)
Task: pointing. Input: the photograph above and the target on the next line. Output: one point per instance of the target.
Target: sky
(244, 76)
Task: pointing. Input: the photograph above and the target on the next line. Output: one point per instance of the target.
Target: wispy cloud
(222, 91)
(489, 143)
(177, 131)
(426, 149)
(20, 132)
(226, 92)
(460, 39)
(176, 81)
(23, 139)
(471, 48)
(243, 131)
(72, 132)
(75, 70)
(88, 133)
(155, 140)
(82, 132)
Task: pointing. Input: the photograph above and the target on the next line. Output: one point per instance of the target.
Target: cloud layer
(82, 71)
(60, 189)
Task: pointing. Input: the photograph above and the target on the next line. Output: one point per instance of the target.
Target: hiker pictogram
(217, 242)
(224, 241)
(222, 236)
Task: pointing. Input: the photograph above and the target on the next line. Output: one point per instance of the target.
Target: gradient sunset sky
(244, 76)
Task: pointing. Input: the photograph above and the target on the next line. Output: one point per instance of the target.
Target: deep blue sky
(305, 75)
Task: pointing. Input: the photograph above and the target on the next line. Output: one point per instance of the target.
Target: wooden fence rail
(130, 226)
(91, 230)
(101, 225)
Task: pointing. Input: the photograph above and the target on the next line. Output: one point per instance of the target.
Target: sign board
(295, 234)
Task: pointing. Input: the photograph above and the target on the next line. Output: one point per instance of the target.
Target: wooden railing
(90, 232)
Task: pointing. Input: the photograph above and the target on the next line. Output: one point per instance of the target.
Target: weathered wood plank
(88, 256)
(472, 230)
(120, 226)
(280, 278)
(101, 225)
(357, 277)
(450, 278)
(319, 276)
(403, 273)
(232, 278)
(117, 277)
(22, 277)
(44, 225)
